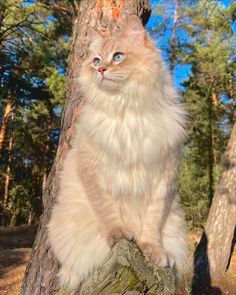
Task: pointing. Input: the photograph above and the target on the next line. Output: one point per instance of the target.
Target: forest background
(198, 42)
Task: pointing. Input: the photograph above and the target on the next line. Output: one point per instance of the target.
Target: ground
(15, 247)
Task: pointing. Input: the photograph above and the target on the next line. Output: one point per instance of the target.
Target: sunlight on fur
(118, 179)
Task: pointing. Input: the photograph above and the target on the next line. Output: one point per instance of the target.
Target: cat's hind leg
(76, 241)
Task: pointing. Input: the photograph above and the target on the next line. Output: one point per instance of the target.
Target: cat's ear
(93, 37)
(134, 30)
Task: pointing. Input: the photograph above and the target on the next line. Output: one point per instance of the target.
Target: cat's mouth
(109, 82)
(105, 80)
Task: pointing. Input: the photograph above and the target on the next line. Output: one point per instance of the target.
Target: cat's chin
(109, 85)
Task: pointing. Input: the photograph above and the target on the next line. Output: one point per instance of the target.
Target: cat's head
(114, 60)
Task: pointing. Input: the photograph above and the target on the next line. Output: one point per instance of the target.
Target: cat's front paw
(155, 253)
(119, 233)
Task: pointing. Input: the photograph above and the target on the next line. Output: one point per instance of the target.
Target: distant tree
(211, 56)
(34, 44)
(167, 28)
(199, 35)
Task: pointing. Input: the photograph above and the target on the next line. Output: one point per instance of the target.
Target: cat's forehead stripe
(108, 49)
(108, 45)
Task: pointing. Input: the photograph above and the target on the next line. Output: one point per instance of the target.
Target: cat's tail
(175, 243)
(68, 279)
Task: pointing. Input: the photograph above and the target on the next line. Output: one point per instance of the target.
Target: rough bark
(213, 252)
(126, 269)
(40, 275)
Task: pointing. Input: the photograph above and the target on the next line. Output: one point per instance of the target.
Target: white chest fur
(128, 139)
(132, 132)
(129, 146)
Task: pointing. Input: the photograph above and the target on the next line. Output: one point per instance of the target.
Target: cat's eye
(97, 61)
(118, 57)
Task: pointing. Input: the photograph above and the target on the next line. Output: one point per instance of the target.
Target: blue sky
(181, 72)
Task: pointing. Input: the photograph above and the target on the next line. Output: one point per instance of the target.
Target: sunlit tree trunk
(215, 103)
(213, 252)
(8, 171)
(4, 123)
(31, 217)
(210, 150)
(40, 276)
(46, 157)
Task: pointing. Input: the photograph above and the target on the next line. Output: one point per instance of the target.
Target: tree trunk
(173, 38)
(213, 252)
(46, 157)
(8, 171)
(40, 276)
(215, 106)
(210, 147)
(5, 122)
(31, 217)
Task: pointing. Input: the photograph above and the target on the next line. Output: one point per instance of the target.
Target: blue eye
(118, 56)
(97, 61)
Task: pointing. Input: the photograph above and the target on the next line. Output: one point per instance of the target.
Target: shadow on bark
(202, 282)
(232, 248)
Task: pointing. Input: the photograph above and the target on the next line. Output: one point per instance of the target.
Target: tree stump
(126, 271)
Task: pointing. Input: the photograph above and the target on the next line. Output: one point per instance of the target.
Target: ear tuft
(134, 30)
(134, 23)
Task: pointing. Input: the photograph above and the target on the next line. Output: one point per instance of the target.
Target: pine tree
(34, 43)
(204, 41)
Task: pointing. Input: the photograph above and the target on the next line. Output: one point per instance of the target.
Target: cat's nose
(102, 70)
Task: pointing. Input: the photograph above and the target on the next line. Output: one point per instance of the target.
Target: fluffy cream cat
(118, 179)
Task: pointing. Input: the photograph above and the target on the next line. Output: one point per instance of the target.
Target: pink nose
(102, 70)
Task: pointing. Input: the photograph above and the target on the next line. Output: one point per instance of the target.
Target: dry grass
(13, 263)
(15, 248)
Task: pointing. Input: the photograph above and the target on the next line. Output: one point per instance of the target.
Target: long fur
(118, 179)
